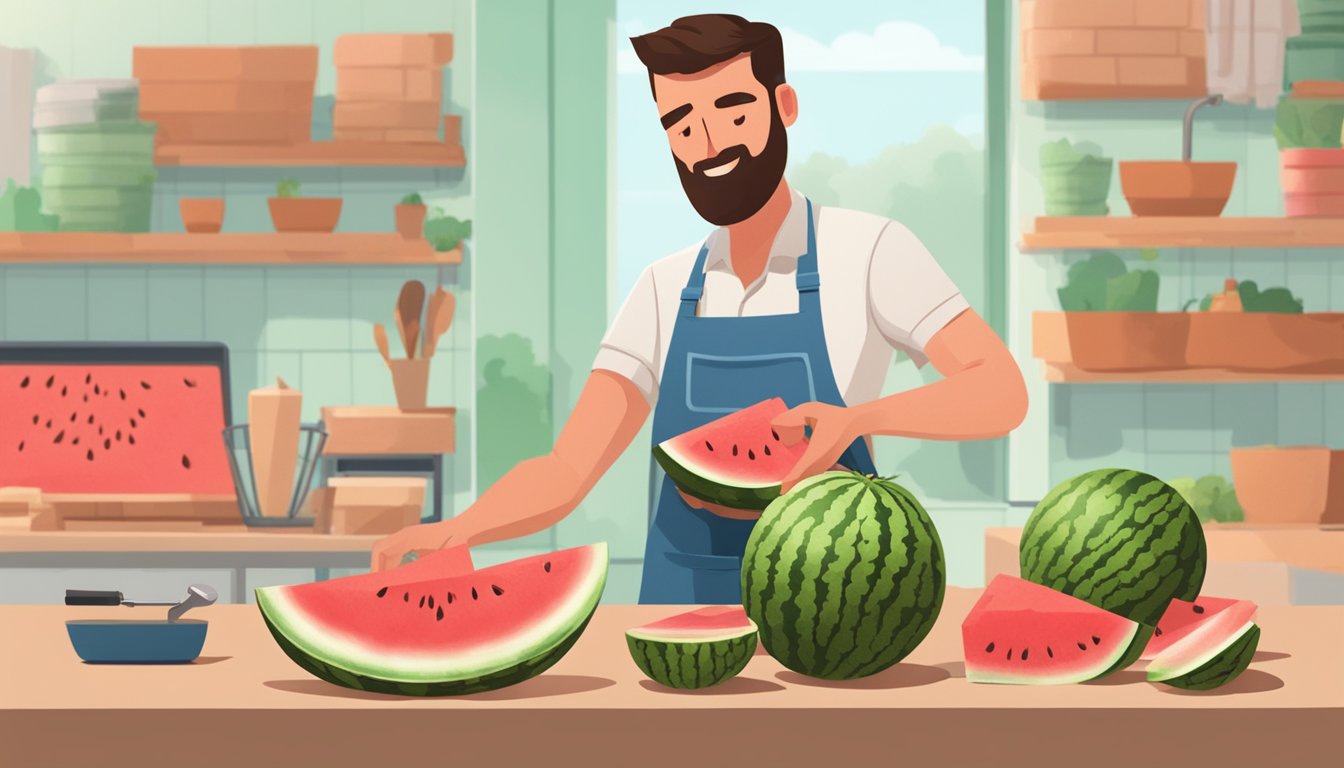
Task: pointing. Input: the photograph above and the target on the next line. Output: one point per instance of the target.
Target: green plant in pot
(1102, 283)
(1076, 178)
(292, 213)
(410, 216)
(1308, 134)
(446, 232)
(21, 210)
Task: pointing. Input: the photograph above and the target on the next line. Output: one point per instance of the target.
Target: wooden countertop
(245, 703)
(181, 542)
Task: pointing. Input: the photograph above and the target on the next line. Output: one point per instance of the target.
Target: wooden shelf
(1060, 373)
(1087, 232)
(364, 248)
(317, 153)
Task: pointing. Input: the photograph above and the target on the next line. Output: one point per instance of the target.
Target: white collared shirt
(881, 290)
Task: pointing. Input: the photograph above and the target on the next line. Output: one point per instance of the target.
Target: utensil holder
(410, 380)
(312, 439)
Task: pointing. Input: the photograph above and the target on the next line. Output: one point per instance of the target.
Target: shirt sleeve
(910, 297)
(632, 345)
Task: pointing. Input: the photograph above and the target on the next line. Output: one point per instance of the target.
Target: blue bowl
(137, 642)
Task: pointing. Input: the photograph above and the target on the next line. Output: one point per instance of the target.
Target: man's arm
(539, 492)
(981, 396)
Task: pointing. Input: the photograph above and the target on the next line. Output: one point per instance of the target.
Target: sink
(1176, 187)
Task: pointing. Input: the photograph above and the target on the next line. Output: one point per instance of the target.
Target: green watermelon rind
(373, 674)
(701, 483)
(1163, 557)
(843, 620)
(691, 664)
(1223, 667)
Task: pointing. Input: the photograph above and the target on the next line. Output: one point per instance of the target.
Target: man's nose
(710, 150)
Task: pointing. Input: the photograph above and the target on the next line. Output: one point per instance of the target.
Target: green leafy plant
(1212, 497)
(446, 232)
(413, 199)
(1076, 178)
(1102, 283)
(21, 210)
(1253, 299)
(287, 188)
(1308, 123)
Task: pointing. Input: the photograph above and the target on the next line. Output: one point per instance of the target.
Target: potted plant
(21, 210)
(1244, 328)
(291, 213)
(410, 217)
(446, 233)
(1110, 320)
(1076, 179)
(203, 215)
(1290, 484)
(1311, 162)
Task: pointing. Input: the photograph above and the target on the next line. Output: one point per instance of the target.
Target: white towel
(1246, 41)
(16, 103)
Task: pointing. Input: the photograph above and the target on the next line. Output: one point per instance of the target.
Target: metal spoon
(198, 595)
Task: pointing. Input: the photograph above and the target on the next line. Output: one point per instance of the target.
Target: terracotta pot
(203, 215)
(411, 221)
(305, 214)
(1289, 484)
(1111, 341)
(1313, 182)
(410, 380)
(1267, 341)
(1176, 188)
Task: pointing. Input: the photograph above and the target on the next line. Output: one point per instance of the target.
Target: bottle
(1227, 301)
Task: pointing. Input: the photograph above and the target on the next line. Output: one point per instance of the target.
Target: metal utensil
(1187, 128)
(410, 304)
(380, 338)
(441, 317)
(198, 595)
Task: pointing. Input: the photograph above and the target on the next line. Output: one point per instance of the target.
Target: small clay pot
(305, 214)
(411, 221)
(202, 215)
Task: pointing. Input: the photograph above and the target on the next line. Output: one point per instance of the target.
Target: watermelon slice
(696, 649)
(1214, 652)
(1181, 618)
(737, 461)
(442, 634)
(1024, 633)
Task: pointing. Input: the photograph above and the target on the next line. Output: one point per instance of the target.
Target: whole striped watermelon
(1120, 539)
(844, 576)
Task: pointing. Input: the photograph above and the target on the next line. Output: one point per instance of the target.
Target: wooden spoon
(410, 304)
(380, 338)
(441, 308)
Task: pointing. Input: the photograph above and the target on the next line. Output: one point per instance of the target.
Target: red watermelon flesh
(1024, 633)
(702, 625)
(456, 627)
(738, 460)
(1203, 641)
(130, 429)
(1182, 618)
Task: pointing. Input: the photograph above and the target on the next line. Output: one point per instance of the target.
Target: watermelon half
(439, 635)
(737, 461)
(1214, 652)
(1023, 633)
(696, 649)
(1182, 618)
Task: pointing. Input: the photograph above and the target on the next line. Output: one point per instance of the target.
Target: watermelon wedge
(444, 633)
(737, 461)
(1214, 652)
(696, 649)
(1023, 633)
(1181, 618)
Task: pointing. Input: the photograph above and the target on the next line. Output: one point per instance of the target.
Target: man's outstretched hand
(834, 428)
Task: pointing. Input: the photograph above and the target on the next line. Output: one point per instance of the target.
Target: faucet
(1213, 99)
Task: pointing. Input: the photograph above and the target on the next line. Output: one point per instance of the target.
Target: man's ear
(786, 99)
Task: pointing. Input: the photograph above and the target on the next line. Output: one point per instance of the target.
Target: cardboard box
(377, 430)
(379, 491)
(365, 521)
(385, 114)
(385, 50)
(221, 63)
(233, 128)
(355, 84)
(209, 97)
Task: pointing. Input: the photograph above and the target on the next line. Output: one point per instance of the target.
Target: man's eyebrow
(671, 118)
(733, 99)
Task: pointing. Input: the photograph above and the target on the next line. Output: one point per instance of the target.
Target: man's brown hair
(695, 43)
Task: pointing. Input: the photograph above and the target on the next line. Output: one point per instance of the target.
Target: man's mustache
(735, 152)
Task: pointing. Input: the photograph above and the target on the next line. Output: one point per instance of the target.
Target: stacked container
(97, 156)
(389, 88)
(204, 95)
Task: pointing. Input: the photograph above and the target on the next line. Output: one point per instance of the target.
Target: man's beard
(740, 193)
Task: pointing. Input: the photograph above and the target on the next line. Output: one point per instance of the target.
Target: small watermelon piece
(1023, 633)
(1211, 654)
(453, 634)
(737, 461)
(696, 649)
(1181, 618)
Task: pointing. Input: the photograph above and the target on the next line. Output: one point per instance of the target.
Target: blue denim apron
(717, 365)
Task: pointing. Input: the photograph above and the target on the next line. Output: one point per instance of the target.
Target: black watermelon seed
(1082, 647)
(734, 449)
(59, 436)
(63, 390)
(1157, 632)
(1096, 640)
(97, 390)
(145, 384)
(90, 418)
(439, 616)
(547, 566)
(766, 449)
(20, 446)
(100, 429)
(189, 382)
(86, 398)
(451, 598)
(1024, 653)
(51, 380)
(130, 439)
(1049, 651)
(88, 377)
(473, 593)
(1010, 654)
(989, 648)
(36, 418)
(75, 441)
(1199, 609)
(707, 445)
(118, 435)
(496, 590)
(89, 455)
(48, 423)
(23, 384)
(133, 424)
(122, 392)
(405, 597)
(422, 601)
(74, 416)
(775, 435)
(140, 411)
(431, 601)
(382, 592)
(751, 455)
(186, 461)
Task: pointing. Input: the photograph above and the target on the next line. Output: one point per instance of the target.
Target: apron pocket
(706, 562)
(724, 384)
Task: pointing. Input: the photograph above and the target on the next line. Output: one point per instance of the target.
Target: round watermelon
(1120, 539)
(844, 576)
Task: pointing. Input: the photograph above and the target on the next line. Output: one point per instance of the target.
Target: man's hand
(834, 428)
(420, 539)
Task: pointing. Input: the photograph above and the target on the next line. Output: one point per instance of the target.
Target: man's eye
(686, 131)
(740, 120)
